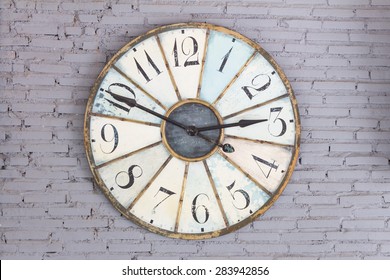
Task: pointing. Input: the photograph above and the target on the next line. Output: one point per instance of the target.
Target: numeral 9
(109, 136)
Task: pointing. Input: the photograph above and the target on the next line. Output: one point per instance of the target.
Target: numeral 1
(142, 71)
(224, 60)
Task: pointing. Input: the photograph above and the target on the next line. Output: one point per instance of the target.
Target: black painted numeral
(165, 193)
(200, 213)
(259, 83)
(134, 171)
(271, 127)
(120, 89)
(190, 51)
(107, 137)
(236, 194)
(151, 63)
(224, 60)
(265, 166)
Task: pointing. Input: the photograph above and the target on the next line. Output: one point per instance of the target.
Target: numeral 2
(259, 83)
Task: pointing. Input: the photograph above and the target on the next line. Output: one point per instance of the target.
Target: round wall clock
(192, 131)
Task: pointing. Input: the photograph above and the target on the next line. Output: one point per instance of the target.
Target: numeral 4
(265, 166)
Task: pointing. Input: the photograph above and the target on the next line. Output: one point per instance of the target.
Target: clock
(192, 131)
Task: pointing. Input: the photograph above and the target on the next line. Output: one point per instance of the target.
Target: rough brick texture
(336, 53)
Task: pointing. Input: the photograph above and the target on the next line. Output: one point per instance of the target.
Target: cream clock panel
(258, 83)
(158, 206)
(144, 63)
(280, 127)
(240, 196)
(184, 50)
(115, 84)
(225, 56)
(265, 163)
(110, 138)
(125, 178)
(200, 211)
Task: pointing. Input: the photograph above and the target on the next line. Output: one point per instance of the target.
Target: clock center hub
(189, 144)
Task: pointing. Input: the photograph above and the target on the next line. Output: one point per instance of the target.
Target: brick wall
(336, 53)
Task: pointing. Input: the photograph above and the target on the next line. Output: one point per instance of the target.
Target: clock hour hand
(131, 102)
(241, 123)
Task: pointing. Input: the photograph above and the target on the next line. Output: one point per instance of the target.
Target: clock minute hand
(241, 123)
(133, 103)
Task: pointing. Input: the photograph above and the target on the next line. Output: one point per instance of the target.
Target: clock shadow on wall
(192, 131)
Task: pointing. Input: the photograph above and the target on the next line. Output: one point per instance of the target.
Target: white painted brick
(122, 20)
(356, 247)
(372, 187)
(367, 161)
(266, 248)
(318, 199)
(246, 10)
(355, 122)
(360, 200)
(312, 248)
(333, 13)
(350, 147)
(319, 224)
(348, 174)
(330, 187)
(130, 248)
(372, 212)
(349, 50)
(363, 224)
(348, 2)
(330, 212)
(327, 36)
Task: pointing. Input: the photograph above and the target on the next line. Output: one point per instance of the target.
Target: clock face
(192, 131)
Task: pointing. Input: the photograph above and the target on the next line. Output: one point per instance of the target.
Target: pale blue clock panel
(239, 195)
(106, 104)
(224, 58)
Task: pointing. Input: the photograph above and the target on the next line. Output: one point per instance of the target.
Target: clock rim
(191, 236)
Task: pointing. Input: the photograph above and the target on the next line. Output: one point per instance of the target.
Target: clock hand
(192, 130)
(241, 123)
(133, 103)
(227, 148)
